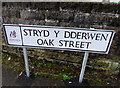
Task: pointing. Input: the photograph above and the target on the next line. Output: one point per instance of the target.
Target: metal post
(83, 67)
(26, 61)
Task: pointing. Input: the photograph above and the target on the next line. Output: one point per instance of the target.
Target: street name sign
(59, 38)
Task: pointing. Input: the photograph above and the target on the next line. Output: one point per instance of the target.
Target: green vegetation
(40, 67)
(47, 69)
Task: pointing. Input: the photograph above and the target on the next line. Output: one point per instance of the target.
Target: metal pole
(26, 61)
(83, 67)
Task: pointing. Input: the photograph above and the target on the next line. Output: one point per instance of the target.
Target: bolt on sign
(59, 38)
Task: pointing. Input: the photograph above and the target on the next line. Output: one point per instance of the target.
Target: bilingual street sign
(59, 38)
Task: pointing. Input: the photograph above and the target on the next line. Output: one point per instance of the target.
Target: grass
(52, 70)
(41, 67)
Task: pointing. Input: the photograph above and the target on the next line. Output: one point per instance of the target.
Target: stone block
(59, 15)
(44, 5)
(32, 14)
(52, 15)
(51, 22)
(66, 16)
(11, 13)
(66, 24)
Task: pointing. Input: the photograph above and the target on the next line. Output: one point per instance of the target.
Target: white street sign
(59, 38)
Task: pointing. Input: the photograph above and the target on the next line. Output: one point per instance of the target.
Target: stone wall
(65, 14)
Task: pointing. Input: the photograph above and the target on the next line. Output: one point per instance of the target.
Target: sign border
(57, 48)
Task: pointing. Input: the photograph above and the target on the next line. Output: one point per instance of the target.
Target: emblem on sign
(13, 34)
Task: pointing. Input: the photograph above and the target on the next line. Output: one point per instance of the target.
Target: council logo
(13, 34)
